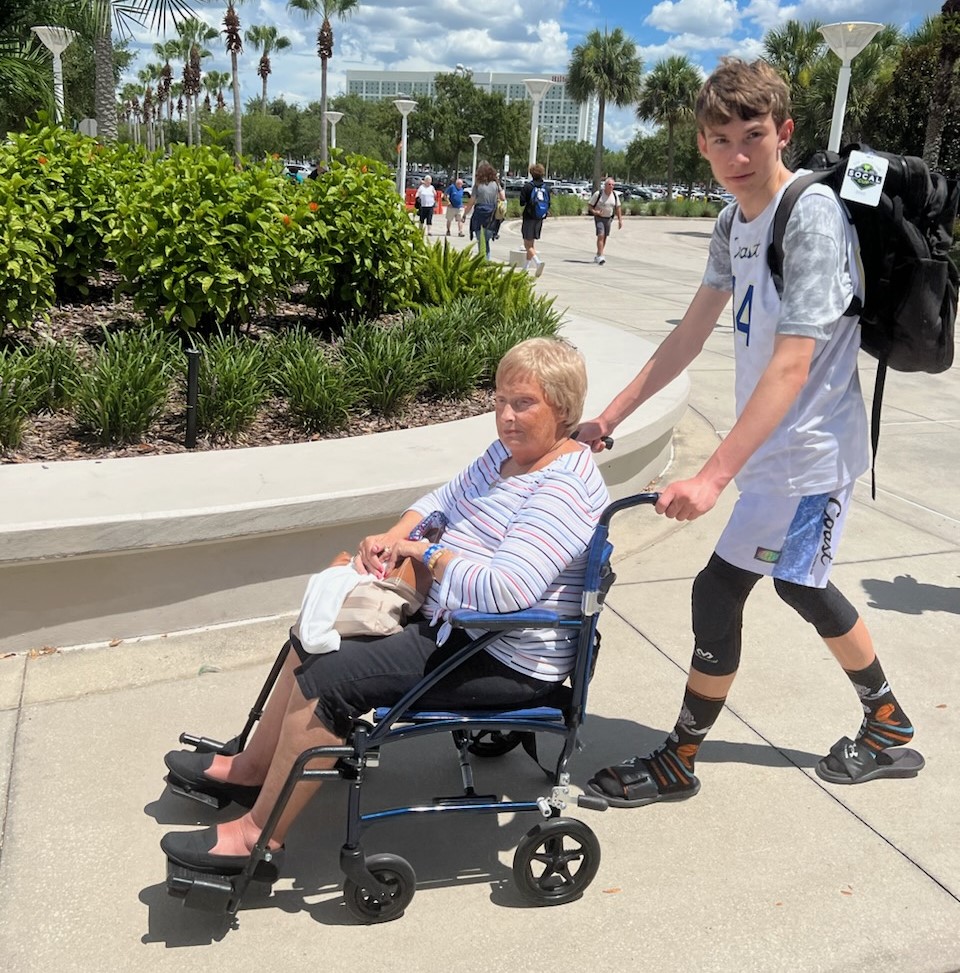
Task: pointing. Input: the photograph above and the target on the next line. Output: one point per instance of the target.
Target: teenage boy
(798, 444)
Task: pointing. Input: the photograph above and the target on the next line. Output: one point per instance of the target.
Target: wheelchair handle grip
(606, 440)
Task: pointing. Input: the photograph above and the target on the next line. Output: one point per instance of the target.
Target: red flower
(42, 160)
(314, 207)
(286, 220)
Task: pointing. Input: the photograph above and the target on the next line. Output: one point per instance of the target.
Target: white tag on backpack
(864, 178)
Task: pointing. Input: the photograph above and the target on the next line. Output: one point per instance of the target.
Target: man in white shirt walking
(604, 204)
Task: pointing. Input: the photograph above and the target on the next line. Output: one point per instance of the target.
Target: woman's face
(526, 423)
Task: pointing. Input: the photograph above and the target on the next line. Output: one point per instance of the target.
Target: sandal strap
(626, 775)
(855, 758)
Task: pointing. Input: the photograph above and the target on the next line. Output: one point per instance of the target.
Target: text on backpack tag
(863, 180)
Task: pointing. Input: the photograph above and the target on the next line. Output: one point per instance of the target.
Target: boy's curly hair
(744, 90)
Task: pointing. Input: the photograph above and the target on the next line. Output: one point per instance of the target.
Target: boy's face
(745, 156)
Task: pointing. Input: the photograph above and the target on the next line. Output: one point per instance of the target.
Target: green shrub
(383, 365)
(70, 181)
(445, 273)
(201, 244)
(54, 369)
(446, 339)
(567, 205)
(315, 384)
(17, 396)
(125, 386)
(232, 383)
(26, 269)
(360, 253)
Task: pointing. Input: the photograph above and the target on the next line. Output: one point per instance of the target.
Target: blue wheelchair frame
(379, 887)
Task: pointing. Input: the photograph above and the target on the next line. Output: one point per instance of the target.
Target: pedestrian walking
(603, 205)
(535, 202)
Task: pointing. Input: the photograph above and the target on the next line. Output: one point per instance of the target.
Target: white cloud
(702, 17)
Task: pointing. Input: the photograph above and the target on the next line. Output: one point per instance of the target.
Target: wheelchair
(554, 862)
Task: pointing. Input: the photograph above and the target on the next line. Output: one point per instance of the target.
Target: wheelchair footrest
(208, 891)
(217, 802)
(467, 799)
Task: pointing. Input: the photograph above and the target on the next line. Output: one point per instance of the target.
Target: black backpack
(910, 282)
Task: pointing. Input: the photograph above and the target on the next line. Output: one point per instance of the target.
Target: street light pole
(56, 40)
(333, 117)
(846, 40)
(404, 106)
(536, 88)
(476, 141)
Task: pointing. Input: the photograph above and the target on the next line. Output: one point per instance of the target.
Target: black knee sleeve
(825, 609)
(719, 594)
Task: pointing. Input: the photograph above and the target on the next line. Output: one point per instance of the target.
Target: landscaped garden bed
(317, 309)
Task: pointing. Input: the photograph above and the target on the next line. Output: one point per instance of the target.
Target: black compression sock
(671, 764)
(884, 723)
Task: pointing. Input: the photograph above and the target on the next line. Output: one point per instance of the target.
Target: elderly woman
(483, 204)
(519, 520)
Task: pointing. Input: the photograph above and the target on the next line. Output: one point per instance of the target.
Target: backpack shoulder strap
(784, 209)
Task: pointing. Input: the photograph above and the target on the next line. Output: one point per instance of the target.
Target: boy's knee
(719, 593)
(826, 609)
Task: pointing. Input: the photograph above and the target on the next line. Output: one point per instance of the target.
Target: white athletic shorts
(791, 538)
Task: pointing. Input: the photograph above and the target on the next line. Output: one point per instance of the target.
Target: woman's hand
(379, 553)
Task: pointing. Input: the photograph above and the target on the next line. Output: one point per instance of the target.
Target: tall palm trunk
(237, 113)
(104, 88)
(323, 111)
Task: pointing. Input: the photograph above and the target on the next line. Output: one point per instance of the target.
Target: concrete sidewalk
(767, 869)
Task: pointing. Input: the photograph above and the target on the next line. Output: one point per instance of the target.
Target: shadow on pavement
(911, 597)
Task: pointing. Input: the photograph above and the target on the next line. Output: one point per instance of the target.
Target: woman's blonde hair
(560, 370)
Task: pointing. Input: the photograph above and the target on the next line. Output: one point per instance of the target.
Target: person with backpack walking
(603, 205)
(795, 451)
(535, 203)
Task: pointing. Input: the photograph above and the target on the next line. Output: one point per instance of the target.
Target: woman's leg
(300, 730)
(249, 767)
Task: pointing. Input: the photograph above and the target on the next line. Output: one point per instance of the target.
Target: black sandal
(630, 784)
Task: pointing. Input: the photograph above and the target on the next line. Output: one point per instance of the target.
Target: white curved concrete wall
(97, 550)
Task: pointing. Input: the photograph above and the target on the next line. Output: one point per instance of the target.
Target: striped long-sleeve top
(520, 543)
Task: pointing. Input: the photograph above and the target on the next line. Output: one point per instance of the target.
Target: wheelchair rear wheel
(397, 874)
(556, 861)
(493, 743)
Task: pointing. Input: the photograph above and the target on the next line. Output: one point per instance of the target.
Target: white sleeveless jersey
(821, 443)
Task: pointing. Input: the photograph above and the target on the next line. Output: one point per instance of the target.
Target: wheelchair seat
(555, 861)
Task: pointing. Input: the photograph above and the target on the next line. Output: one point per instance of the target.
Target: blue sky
(510, 35)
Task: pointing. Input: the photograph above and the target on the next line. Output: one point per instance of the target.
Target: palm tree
(606, 66)
(325, 8)
(194, 34)
(669, 93)
(23, 70)
(944, 94)
(127, 13)
(234, 45)
(266, 40)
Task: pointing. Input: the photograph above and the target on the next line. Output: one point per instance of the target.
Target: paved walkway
(767, 869)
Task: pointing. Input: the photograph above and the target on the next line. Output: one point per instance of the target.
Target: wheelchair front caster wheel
(394, 872)
(556, 861)
(493, 743)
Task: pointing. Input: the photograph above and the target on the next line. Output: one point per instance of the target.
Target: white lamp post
(404, 106)
(56, 40)
(846, 41)
(476, 139)
(333, 117)
(536, 88)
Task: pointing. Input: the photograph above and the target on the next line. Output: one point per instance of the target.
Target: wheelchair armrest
(504, 621)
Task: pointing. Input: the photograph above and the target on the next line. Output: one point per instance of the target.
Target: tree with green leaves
(944, 95)
(341, 9)
(605, 66)
(668, 97)
(266, 40)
